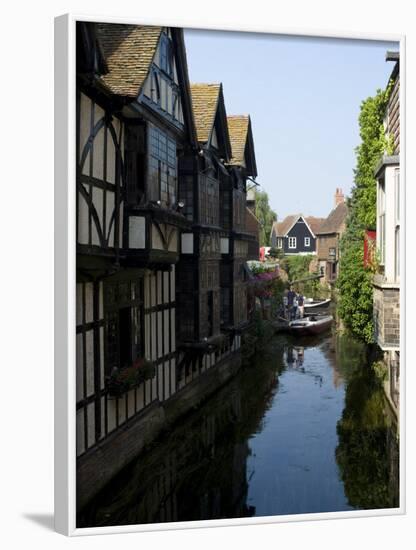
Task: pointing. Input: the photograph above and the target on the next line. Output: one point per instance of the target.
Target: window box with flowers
(122, 380)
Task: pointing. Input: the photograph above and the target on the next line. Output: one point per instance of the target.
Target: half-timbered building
(237, 246)
(160, 208)
(202, 177)
(134, 121)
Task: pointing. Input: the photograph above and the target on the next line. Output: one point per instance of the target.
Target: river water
(304, 428)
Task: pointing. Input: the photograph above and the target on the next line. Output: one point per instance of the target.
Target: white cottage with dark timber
(134, 119)
(296, 234)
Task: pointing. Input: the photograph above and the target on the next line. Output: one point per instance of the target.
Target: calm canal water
(305, 428)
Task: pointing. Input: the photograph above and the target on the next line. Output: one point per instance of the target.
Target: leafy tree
(355, 281)
(265, 215)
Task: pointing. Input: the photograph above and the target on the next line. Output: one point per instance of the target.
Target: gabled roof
(314, 223)
(335, 220)
(282, 228)
(205, 99)
(238, 130)
(241, 137)
(128, 51)
(208, 107)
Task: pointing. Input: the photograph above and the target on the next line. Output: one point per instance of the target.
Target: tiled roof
(204, 100)
(238, 130)
(128, 52)
(335, 220)
(281, 228)
(314, 223)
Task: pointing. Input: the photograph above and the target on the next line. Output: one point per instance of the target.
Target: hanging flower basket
(122, 380)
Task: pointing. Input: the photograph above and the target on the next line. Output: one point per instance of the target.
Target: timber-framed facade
(160, 234)
(133, 121)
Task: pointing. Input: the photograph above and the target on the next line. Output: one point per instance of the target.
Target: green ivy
(355, 281)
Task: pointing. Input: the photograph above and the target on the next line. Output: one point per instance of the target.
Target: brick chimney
(339, 196)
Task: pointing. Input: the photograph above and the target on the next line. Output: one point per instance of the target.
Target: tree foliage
(355, 281)
(265, 215)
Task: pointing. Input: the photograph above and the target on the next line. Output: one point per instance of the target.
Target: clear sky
(303, 96)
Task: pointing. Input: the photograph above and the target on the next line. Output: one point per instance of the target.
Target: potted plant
(123, 380)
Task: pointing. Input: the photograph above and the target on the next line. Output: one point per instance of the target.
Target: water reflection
(303, 429)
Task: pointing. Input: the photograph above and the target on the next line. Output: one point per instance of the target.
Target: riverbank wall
(98, 466)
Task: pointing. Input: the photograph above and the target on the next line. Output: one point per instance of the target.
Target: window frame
(308, 243)
(291, 240)
(381, 219)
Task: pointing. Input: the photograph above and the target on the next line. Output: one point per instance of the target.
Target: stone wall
(386, 313)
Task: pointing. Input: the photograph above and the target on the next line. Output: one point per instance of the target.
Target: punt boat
(312, 324)
(310, 304)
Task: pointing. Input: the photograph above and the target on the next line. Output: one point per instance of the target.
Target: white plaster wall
(166, 331)
(187, 243)
(165, 275)
(173, 329)
(137, 232)
(153, 351)
(172, 283)
(389, 264)
(160, 334)
(89, 340)
(147, 87)
(173, 244)
(157, 243)
(225, 245)
(98, 153)
(111, 159)
(102, 374)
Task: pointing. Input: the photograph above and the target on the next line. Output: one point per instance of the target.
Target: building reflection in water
(199, 469)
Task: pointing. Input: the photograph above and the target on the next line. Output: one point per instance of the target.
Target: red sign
(369, 248)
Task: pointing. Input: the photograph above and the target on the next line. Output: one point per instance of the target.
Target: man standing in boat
(301, 305)
(291, 295)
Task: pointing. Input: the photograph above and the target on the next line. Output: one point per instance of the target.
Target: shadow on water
(368, 450)
(203, 468)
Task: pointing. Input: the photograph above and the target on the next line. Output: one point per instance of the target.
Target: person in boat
(291, 295)
(301, 305)
(285, 314)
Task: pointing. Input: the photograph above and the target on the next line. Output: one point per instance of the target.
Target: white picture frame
(65, 458)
